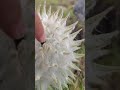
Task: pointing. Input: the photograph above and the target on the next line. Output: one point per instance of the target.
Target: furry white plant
(54, 61)
(95, 43)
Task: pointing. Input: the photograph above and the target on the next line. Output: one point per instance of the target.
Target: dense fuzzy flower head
(54, 60)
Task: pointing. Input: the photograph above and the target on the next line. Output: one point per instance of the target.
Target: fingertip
(39, 29)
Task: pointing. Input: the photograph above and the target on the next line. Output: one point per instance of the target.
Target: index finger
(39, 29)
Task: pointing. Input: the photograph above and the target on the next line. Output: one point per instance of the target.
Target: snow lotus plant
(95, 44)
(54, 60)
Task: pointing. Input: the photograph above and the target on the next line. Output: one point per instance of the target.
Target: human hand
(11, 21)
(11, 18)
(39, 30)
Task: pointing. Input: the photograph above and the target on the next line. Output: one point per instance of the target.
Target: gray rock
(79, 10)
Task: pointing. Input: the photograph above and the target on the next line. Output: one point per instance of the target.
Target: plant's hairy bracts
(95, 45)
(54, 60)
(99, 40)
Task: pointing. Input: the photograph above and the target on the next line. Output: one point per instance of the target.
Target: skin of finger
(39, 29)
(10, 16)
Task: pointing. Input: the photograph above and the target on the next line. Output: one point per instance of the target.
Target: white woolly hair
(54, 61)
